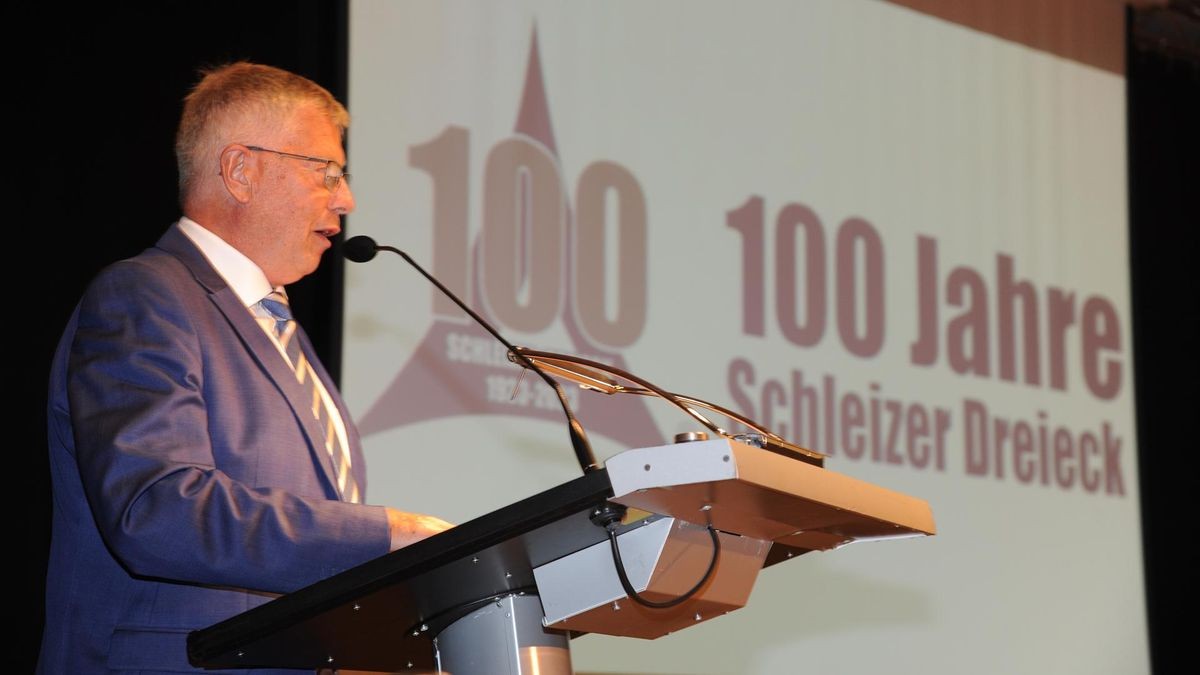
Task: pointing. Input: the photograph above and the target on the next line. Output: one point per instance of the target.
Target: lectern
(506, 592)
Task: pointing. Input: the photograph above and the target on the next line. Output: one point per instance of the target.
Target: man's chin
(314, 261)
(298, 273)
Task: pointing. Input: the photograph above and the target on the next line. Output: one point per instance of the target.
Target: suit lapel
(260, 348)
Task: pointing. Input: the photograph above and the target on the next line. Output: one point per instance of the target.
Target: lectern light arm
(601, 377)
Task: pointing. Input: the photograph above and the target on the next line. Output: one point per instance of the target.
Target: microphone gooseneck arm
(363, 248)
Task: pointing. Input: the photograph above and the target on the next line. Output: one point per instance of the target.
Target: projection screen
(892, 238)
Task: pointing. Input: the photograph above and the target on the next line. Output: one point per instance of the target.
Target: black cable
(616, 552)
(579, 440)
(436, 623)
(363, 248)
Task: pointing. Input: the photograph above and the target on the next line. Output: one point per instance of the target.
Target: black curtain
(1163, 78)
(106, 83)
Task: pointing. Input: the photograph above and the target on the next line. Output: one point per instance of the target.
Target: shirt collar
(246, 278)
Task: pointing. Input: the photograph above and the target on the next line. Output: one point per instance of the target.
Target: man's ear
(238, 170)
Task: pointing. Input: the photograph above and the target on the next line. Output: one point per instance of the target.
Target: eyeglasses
(334, 172)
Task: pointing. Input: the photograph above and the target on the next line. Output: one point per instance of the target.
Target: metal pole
(504, 638)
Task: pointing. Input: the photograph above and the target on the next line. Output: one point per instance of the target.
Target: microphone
(363, 248)
(360, 249)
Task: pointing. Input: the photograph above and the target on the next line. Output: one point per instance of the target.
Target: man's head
(255, 146)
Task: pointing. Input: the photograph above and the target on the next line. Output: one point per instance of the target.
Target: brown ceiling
(1087, 31)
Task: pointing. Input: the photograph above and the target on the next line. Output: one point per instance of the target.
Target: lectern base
(504, 638)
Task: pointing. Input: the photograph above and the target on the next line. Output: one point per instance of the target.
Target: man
(201, 458)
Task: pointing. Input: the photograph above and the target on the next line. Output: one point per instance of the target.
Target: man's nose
(342, 200)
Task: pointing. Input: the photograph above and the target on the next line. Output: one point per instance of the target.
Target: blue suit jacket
(190, 479)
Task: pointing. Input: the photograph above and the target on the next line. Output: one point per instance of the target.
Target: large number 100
(858, 280)
(524, 238)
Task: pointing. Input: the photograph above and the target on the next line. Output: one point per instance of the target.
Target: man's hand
(407, 528)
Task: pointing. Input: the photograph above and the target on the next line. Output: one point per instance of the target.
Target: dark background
(106, 84)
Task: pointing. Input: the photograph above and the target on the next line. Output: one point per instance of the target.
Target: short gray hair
(235, 92)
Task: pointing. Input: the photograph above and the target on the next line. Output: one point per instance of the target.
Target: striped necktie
(276, 304)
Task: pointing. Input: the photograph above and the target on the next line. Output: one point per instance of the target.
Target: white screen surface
(843, 205)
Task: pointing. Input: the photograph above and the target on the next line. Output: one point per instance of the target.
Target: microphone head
(360, 249)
